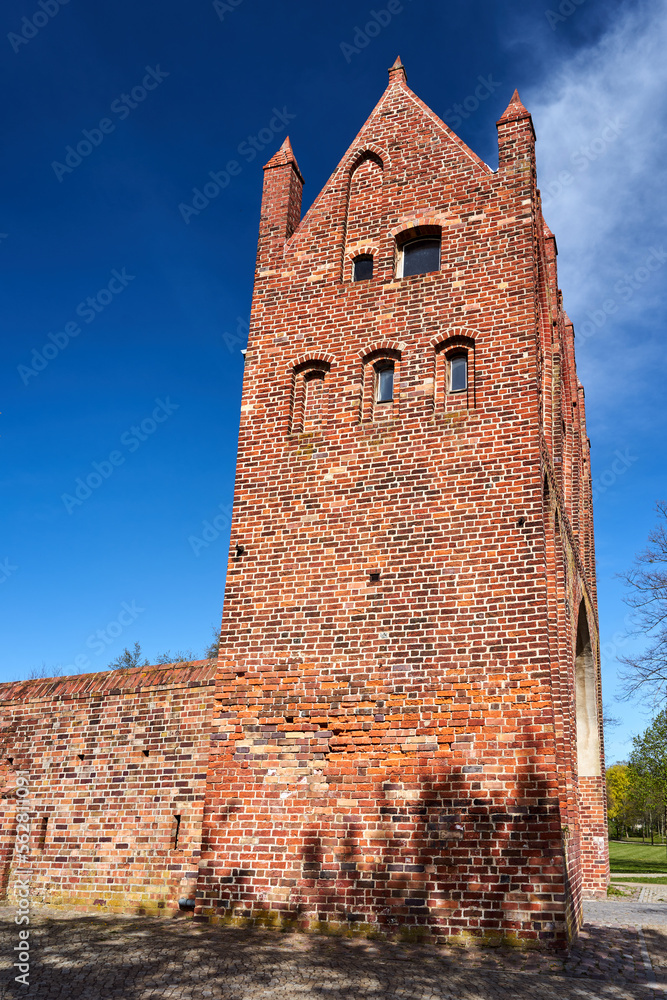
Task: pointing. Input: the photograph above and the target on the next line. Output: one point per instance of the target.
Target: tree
(44, 671)
(128, 659)
(648, 767)
(212, 651)
(178, 657)
(619, 797)
(645, 675)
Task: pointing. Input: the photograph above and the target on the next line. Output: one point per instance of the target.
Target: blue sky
(124, 311)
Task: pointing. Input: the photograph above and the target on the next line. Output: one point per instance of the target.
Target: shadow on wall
(446, 859)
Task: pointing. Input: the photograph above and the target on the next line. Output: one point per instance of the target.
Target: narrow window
(420, 256)
(458, 373)
(362, 267)
(385, 385)
(41, 843)
(175, 831)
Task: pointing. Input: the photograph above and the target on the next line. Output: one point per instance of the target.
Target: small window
(175, 832)
(385, 385)
(420, 256)
(458, 373)
(362, 268)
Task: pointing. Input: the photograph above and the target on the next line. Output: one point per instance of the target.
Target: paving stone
(82, 955)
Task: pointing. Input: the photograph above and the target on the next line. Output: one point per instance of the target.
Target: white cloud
(601, 120)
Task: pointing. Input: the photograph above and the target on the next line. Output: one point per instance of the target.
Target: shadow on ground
(90, 957)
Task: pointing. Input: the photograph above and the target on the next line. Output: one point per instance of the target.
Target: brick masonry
(409, 641)
(403, 732)
(110, 760)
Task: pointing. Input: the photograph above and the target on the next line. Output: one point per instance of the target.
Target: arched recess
(309, 398)
(365, 207)
(588, 734)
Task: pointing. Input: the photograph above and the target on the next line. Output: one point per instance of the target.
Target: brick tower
(408, 729)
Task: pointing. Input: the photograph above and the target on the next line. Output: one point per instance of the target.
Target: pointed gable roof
(410, 109)
(515, 110)
(284, 156)
(397, 72)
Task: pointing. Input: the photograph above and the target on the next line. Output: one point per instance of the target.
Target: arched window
(362, 267)
(455, 373)
(418, 250)
(420, 256)
(380, 383)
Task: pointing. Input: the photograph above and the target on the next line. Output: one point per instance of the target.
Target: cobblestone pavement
(87, 956)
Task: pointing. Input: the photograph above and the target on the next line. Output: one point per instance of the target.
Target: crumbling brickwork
(115, 766)
(407, 731)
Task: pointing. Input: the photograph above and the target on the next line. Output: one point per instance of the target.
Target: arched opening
(308, 406)
(588, 736)
(364, 208)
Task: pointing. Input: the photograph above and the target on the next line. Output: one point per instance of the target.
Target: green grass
(637, 857)
(643, 880)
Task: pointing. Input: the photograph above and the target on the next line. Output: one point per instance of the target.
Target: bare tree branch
(645, 673)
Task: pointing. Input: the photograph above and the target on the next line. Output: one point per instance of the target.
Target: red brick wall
(396, 737)
(110, 816)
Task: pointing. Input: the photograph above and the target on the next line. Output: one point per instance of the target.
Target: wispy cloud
(601, 122)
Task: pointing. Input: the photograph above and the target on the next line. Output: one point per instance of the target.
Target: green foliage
(647, 766)
(129, 658)
(637, 791)
(619, 797)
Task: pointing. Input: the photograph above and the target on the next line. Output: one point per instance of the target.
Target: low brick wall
(114, 765)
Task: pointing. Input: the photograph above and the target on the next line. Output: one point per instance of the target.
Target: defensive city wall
(115, 765)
